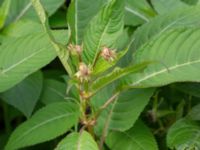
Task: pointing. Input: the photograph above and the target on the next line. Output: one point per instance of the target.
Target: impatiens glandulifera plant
(116, 74)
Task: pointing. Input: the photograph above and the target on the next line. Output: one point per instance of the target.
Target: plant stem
(155, 103)
(105, 105)
(189, 103)
(6, 118)
(95, 59)
(83, 110)
(59, 48)
(109, 101)
(91, 130)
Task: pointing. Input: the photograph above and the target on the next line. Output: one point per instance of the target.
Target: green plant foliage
(80, 141)
(138, 12)
(4, 9)
(139, 137)
(108, 91)
(194, 113)
(79, 14)
(48, 123)
(28, 57)
(53, 91)
(22, 28)
(24, 95)
(58, 20)
(23, 9)
(116, 74)
(128, 105)
(163, 6)
(173, 59)
(191, 2)
(192, 89)
(103, 30)
(58, 47)
(102, 65)
(92, 71)
(173, 20)
(184, 134)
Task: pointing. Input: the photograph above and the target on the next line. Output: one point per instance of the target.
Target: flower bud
(75, 49)
(84, 72)
(108, 54)
(85, 95)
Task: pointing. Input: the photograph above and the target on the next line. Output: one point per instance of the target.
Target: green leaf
(4, 139)
(55, 73)
(50, 6)
(22, 56)
(194, 113)
(58, 20)
(23, 9)
(124, 111)
(4, 10)
(103, 30)
(179, 18)
(184, 134)
(22, 28)
(178, 53)
(102, 65)
(60, 49)
(117, 73)
(192, 89)
(46, 124)
(139, 137)
(25, 95)
(138, 12)
(191, 2)
(79, 14)
(53, 91)
(163, 6)
(108, 91)
(78, 141)
(123, 46)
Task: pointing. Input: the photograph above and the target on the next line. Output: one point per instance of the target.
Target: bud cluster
(108, 54)
(75, 49)
(83, 73)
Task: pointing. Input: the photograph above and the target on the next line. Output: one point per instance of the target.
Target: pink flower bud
(75, 49)
(108, 54)
(78, 49)
(84, 72)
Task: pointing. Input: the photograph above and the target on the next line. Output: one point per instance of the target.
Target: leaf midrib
(108, 119)
(100, 40)
(184, 130)
(76, 21)
(23, 60)
(166, 27)
(79, 141)
(171, 68)
(133, 140)
(41, 124)
(137, 13)
(56, 91)
(24, 10)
